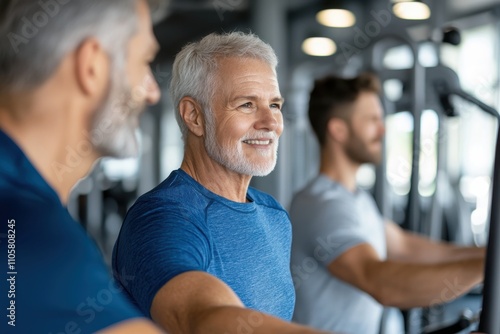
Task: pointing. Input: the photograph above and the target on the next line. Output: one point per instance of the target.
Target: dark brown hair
(331, 97)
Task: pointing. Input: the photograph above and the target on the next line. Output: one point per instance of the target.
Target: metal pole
(488, 322)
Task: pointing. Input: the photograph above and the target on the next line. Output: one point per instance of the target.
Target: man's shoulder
(30, 206)
(176, 202)
(176, 190)
(323, 191)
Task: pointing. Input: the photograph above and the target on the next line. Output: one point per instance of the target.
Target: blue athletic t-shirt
(53, 278)
(180, 226)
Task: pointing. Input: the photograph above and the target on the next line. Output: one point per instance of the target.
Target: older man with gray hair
(213, 253)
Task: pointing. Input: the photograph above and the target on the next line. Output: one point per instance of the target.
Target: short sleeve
(333, 227)
(160, 239)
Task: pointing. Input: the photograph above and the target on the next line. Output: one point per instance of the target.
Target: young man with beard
(74, 77)
(213, 253)
(347, 262)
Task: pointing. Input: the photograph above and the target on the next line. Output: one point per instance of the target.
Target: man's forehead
(252, 86)
(145, 29)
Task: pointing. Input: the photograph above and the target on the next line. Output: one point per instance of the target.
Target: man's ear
(92, 67)
(191, 113)
(337, 129)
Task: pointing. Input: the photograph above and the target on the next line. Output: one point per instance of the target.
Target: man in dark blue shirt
(74, 77)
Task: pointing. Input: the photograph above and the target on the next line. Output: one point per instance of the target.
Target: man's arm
(410, 247)
(196, 302)
(133, 326)
(406, 285)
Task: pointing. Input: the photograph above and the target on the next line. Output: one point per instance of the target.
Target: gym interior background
(439, 149)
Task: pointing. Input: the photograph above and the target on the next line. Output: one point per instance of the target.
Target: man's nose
(268, 119)
(152, 90)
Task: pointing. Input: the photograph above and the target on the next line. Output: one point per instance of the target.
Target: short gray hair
(195, 66)
(35, 35)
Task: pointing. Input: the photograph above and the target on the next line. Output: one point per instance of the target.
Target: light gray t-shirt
(327, 220)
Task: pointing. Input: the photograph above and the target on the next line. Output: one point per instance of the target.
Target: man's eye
(276, 106)
(247, 105)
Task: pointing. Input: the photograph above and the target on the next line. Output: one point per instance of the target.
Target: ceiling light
(319, 46)
(411, 10)
(337, 18)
